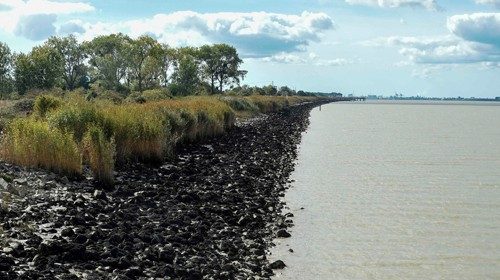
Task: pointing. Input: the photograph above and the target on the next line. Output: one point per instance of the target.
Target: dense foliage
(122, 64)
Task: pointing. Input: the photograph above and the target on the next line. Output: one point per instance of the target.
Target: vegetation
(119, 63)
(34, 143)
(111, 134)
(115, 100)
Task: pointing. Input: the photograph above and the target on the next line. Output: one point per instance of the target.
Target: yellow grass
(111, 132)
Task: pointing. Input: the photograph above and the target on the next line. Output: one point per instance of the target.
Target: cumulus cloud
(310, 59)
(442, 50)
(256, 35)
(474, 38)
(36, 27)
(35, 19)
(478, 27)
(426, 4)
(71, 27)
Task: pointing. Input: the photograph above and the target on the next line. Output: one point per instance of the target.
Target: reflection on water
(396, 191)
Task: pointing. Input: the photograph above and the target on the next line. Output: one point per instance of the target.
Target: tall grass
(140, 133)
(100, 154)
(33, 143)
(44, 104)
(111, 133)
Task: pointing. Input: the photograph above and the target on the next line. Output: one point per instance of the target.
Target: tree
(186, 77)
(286, 91)
(270, 90)
(73, 58)
(140, 54)
(221, 64)
(107, 58)
(166, 59)
(40, 69)
(5, 69)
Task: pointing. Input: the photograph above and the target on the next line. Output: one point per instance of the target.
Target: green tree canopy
(40, 69)
(73, 58)
(108, 59)
(5, 69)
(220, 64)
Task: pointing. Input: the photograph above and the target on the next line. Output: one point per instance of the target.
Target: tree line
(122, 64)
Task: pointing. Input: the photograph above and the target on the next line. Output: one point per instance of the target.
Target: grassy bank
(63, 133)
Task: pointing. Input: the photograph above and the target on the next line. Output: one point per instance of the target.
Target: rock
(279, 264)
(67, 232)
(6, 187)
(20, 181)
(206, 214)
(283, 233)
(3, 184)
(98, 194)
(80, 239)
(6, 263)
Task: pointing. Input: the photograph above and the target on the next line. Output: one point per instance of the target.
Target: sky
(433, 48)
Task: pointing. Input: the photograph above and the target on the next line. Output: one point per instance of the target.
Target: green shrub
(44, 104)
(156, 94)
(33, 143)
(100, 153)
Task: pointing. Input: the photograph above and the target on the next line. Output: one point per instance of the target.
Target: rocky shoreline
(211, 213)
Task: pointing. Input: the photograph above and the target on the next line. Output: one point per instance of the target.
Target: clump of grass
(100, 154)
(34, 143)
(240, 104)
(140, 133)
(45, 103)
(76, 118)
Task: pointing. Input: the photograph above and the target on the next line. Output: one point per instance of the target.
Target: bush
(33, 143)
(156, 94)
(100, 153)
(44, 104)
(77, 118)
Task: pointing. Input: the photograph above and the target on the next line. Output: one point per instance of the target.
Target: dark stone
(80, 239)
(6, 263)
(67, 232)
(283, 233)
(279, 264)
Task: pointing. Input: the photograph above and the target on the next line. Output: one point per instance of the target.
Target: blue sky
(425, 47)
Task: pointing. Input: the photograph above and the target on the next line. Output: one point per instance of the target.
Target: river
(396, 190)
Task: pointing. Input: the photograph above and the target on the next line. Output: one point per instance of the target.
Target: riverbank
(212, 211)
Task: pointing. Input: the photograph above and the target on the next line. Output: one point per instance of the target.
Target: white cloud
(285, 58)
(334, 62)
(35, 19)
(257, 34)
(426, 4)
(474, 38)
(489, 2)
(310, 59)
(478, 27)
(443, 50)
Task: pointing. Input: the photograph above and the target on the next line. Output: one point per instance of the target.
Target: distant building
(371, 96)
(497, 98)
(336, 94)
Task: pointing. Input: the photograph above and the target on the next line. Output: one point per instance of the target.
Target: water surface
(396, 191)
